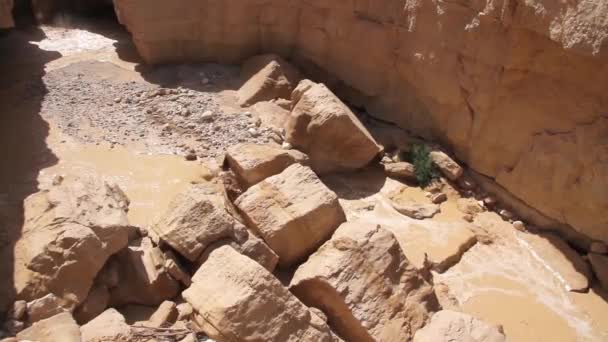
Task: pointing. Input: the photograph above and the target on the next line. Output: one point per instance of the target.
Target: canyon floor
(79, 102)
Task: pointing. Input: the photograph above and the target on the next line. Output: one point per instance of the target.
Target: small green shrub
(420, 157)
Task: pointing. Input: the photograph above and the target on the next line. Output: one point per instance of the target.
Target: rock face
(235, 299)
(325, 128)
(6, 15)
(143, 276)
(292, 211)
(109, 326)
(447, 326)
(253, 163)
(363, 282)
(60, 327)
(459, 71)
(268, 77)
(198, 218)
(69, 233)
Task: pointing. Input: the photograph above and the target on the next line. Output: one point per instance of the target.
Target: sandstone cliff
(516, 88)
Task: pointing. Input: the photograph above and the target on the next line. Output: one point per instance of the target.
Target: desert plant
(420, 157)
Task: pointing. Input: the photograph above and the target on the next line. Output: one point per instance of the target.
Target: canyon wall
(516, 88)
(6, 16)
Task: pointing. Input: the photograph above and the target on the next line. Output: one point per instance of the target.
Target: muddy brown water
(501, 283)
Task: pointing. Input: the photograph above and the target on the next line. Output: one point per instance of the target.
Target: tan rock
(268, 77)
(60, 327)
(326, 130)
(17, 310)
(294, 212)
(228, 282)
(253, 163)
(45, 307)
(447, 165)
(418, 211)
(469, 206)
(364, 283)
(401, 170)
(599, 264)
(69, 233)
(572, 271)
(165, 315)
(96, 303)
(184, 311)
(109, 326)
(447, 326)
(175, 269)
(255, 248)
(194, 220)
(143, 277)
(439, 198)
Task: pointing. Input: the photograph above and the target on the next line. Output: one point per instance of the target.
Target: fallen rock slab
(69, 232)
(599, 264)
(195, 219)
(61, 327)
(400, 170)
(253, 163)
(565, 262)
(235, 299)
(143, 277)
(418, 211)
(447, 165)
(365, 285)
(109, 326)
(324, 128)
(450, 326)
(294, 212)
(268, 77)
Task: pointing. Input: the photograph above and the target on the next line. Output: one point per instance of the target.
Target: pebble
(253, 132)
(519, 225)
(507, 215)
(287, 146)
(439, 198)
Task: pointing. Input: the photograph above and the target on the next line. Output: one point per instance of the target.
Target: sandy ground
(85, 105)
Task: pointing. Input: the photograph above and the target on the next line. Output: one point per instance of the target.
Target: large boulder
(198, 218)
(235, 299)
(253, 163)
(365, 285)
(143, 278)
(61, 327)
(268, 77)
(69, 232)
(448, 326)
(323, 127)
(6, 14)
(294, 212)
(109, 326)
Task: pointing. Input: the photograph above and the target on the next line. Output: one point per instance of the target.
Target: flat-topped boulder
(236, 299)
(268, 77)
(61, 327)
(109, 326)
(69, 232)
(450, 326)
(324, 128)
(253, 163)
(294, 212)
(365, 285)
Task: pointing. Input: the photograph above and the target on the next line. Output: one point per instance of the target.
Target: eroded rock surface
(327, 131)
(364, 283)
(253, 163)
(268, 77)
(486, 77)
(69, 232)
(294, 212)
(235, 299)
